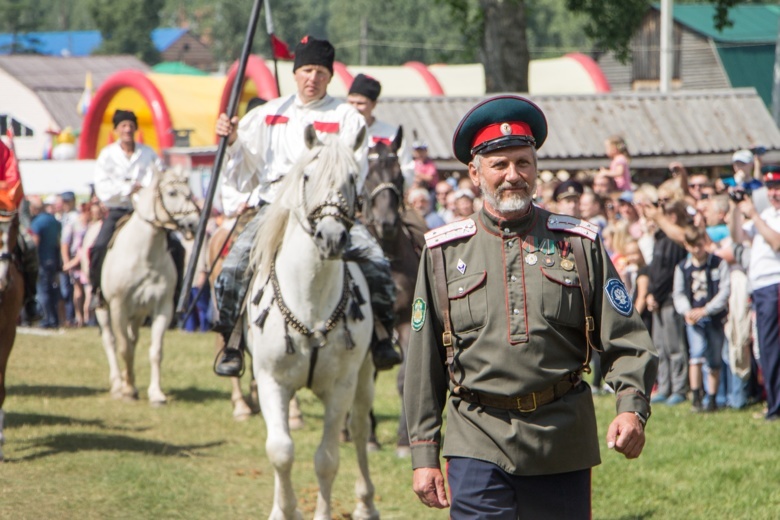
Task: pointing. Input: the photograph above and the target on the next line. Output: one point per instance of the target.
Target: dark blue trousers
(766, 301)
(481, 490)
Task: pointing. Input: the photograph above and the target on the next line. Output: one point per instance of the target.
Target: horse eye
(172, 193)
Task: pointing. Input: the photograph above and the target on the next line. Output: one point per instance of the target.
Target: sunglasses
(698, 186)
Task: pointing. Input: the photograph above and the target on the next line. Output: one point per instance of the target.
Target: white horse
(310, 325)
(139, 279)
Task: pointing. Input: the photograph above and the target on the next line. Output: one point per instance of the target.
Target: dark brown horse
(399, 230)
(11, 298)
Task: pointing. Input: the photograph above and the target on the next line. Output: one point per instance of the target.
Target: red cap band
(772, 177)
(497, 130)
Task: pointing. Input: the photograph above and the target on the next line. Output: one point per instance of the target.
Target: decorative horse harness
(335, 206)
(173, 217)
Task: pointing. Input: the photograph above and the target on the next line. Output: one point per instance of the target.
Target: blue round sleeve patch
(618, 297)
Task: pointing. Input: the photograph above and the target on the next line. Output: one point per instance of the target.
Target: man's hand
(227, 127)
(747, 208)
(626, 435)
(428, 483)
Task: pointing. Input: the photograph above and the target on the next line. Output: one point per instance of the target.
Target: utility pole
(363, 41)
(667, 52)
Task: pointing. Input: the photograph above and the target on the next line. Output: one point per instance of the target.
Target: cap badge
(506, 128)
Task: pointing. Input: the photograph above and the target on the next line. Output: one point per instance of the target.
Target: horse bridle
(379, 188)
(173, 217)
(335, 206)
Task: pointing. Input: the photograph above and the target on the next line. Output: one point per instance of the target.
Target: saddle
(119, 225)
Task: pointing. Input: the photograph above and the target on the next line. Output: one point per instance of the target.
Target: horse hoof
(241, 411)
(362, 512)
(373, 446)
(296, 423)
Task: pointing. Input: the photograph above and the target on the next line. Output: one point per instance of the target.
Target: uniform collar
(508, 228)
(312, 104)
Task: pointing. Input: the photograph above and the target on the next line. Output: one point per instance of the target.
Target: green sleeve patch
(418, 314)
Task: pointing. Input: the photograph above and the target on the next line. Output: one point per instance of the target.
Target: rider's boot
(230, 360)
(383, 352)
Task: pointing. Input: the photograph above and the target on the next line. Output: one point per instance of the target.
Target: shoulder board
(573, 225)
(442, 235)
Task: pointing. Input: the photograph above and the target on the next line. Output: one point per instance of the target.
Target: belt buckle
(527, 410)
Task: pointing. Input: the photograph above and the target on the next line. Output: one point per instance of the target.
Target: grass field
(73, 452)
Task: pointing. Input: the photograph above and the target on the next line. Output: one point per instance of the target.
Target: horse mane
(327, 166)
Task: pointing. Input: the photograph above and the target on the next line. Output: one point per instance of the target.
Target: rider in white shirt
(363, 95)
(264, 146)
(122, 168)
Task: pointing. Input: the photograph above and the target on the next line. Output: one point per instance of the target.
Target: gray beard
(509, 204)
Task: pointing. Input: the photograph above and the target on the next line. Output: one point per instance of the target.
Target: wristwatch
(642, 418)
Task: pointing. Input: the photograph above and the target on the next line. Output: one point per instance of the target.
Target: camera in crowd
(739, 194)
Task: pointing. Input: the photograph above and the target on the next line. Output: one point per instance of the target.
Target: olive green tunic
(518, 328)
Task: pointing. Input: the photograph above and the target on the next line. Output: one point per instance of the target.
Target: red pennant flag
(281, 50)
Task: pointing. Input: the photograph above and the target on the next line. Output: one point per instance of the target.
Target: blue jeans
(199, 318)
(705, 343)
(48, 293)
(732, 390)
(66, 293)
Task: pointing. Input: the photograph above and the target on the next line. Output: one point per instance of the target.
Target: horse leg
(241, 409)
(326, 459)
(402, 448)
(159, 326)
(109, 346)
(125, 348)
(360, 428)
(274, 402)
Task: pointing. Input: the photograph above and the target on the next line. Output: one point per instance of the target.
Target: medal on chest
(530, 246)
(564, 247)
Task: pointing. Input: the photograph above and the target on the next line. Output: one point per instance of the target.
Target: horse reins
(172, 217)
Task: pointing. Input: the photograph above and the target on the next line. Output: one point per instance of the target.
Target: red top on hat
(497, 130)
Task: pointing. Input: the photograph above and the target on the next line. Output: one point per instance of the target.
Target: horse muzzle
(331, 238)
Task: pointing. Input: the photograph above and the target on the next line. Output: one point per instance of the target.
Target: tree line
(502, 34)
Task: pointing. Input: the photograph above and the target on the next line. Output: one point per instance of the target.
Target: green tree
(18, 17)
(126, 27)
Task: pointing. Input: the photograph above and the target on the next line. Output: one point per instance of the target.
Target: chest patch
(618, 297)
(419, 309)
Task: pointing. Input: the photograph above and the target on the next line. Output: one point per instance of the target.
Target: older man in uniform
(508, 304)
(263, 147)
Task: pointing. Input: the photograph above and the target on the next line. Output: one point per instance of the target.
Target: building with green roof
(742, 55)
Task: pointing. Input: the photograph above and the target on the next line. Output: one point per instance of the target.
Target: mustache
(509, 186)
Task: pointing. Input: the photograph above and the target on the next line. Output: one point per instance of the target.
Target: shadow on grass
(73, 443)
(19, 420)
(54, 391)
(198, 395)
(645, 515)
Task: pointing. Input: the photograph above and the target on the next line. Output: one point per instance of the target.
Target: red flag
(281, 50)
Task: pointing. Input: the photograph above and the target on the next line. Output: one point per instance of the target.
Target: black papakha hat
(311, 51)
(366, 86)
(124, 115)
(771, 174)
(499, 122)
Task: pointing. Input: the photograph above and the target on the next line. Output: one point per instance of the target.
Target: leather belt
(522, 403)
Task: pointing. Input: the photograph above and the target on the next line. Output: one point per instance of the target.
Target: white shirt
(115, 173)
(270, 140)
(379, 131)
(231, 198)
(764, 269)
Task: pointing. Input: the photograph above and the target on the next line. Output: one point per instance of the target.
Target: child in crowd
(701, 293)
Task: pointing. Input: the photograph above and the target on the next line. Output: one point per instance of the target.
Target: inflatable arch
(168, 105)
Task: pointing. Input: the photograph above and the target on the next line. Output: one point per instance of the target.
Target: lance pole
(235, 96)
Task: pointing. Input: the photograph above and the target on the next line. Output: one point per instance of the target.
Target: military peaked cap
(499, 122)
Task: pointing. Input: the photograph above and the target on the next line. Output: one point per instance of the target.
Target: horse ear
(399, 137)
(310, 137)
(361, 136)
